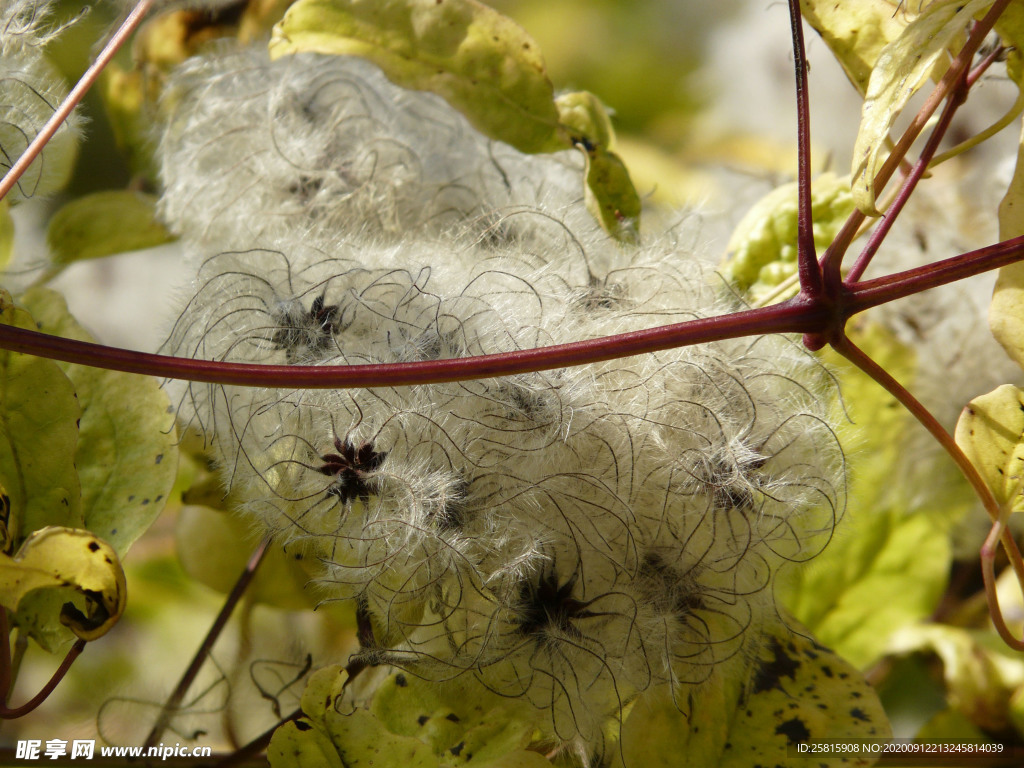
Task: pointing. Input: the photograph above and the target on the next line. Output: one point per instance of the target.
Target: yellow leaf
(68, 557)
(480, 61)
(855, 31)
(902, 68)
(991, 434)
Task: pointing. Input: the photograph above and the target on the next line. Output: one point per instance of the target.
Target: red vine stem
(171, 706)
(807, 259)
(130, 24)
(797, 316)
(7, 713)
(999, 533)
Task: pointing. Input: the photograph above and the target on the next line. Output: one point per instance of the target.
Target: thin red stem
(131, 22)
(171, 706)
(807, 259)
(855, 355)
(44, 692)
(881, 290)
(797, 316)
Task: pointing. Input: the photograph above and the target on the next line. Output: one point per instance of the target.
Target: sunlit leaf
(68, 557)
(38, 436)
(1006, 313)
(902, 68)
(990, 432)
(762, 250)
(480, 61)
(127, 454)
(105, 223)
(753, 709)
(856, 31)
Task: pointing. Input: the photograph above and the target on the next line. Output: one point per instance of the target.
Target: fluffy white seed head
(570, 537)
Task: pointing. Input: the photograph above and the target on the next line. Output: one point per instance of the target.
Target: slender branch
(872, 293)
(956, 99)
(170, 707)
(807, 259)
(46, 690)
(797, 316)
(131, 22)
(855, 355)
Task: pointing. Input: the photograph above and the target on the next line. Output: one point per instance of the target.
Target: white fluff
(571, 537)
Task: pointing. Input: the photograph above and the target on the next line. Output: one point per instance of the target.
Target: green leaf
(67, 557)
(301, 745)
(127, 454)
(39, 415)
(762, 250)
(411, 722)
(902, 68)
(586, 119)
(787, 690)
(6, 234)
(214, 547)
(104, 223)
(611, 197)
(856, 31)
(483, 63)
(990, 432)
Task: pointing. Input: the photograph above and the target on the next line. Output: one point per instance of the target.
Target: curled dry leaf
(68, 557)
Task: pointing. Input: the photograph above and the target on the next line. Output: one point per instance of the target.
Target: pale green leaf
(104, 223)
(990, 432)
(213, 547)
(788, 689)
(67, 557)
(856, 31)
(481, 62)
(611, 197)
(39, 415)
(761, 253)
(902, 68)
(301, 745)
(586, 119)
(127, 453)
(1006, 312)
(412, 722)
